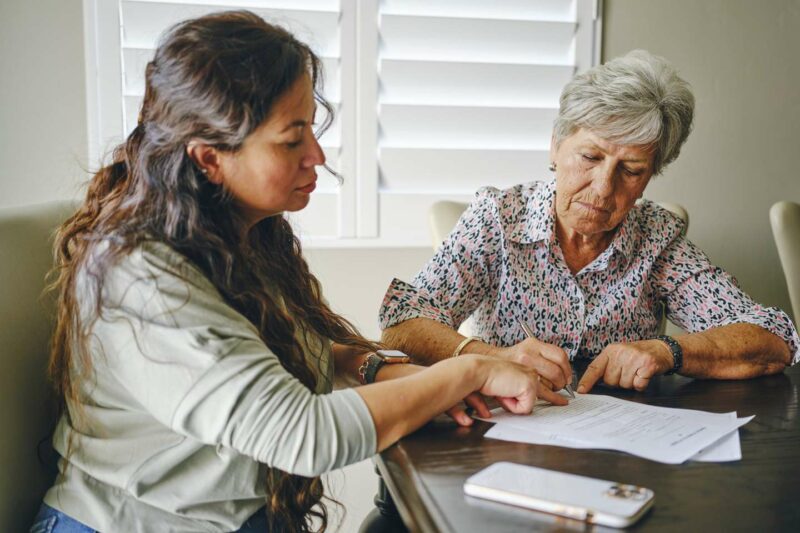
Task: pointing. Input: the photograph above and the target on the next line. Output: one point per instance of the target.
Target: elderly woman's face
(598, 182)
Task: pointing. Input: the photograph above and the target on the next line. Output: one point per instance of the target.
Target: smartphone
(591, 500)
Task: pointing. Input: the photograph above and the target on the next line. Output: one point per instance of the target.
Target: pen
(530, 335)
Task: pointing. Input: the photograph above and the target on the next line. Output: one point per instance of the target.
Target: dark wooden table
(425, 471)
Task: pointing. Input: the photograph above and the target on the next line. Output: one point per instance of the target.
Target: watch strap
(375, 360)
(374, 363)
(677, 353)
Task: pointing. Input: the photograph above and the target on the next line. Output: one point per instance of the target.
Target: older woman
(585, 265)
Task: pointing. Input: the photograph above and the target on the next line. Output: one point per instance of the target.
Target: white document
(727, 448)
(602, 422)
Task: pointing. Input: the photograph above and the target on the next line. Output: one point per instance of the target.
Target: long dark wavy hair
(213, 80)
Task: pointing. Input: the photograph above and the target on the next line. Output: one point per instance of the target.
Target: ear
(208, 160)
(553, 148)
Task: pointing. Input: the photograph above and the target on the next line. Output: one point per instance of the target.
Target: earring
(204, 171)
(552, 167)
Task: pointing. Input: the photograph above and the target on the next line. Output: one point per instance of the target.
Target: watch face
(391, 354)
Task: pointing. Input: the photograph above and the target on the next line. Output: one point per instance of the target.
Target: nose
(603, 180)
(315, 156)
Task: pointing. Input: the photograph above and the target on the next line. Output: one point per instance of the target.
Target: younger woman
(194, 353)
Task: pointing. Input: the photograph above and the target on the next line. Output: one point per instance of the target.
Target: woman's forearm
(400, 406)
(346, 360)
(736, 351)
(429, 341)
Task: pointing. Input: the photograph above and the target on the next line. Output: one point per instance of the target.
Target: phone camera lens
(627, 492)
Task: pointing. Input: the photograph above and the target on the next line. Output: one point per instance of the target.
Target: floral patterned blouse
(503, 261)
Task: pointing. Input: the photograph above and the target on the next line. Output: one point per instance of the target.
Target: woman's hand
(515, 386)
(457, 412)
(628, 365)
(400, 406)
(550, 361)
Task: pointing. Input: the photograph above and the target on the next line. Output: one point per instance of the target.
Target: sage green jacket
(185, 408)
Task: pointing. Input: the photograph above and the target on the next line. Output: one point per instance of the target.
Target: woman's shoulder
(159, 285)
(657, 224)
(155, 260)
(521, 211)
(518, 194)
(510, 203)
(144, 275)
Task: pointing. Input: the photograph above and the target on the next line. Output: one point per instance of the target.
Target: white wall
(739, 55)
(43, 140)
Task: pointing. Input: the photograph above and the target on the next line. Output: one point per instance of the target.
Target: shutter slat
(313, 5)
(143, 23)
(459, 171)
(544, 10)
(481, 40)
(450, 83)
(466, 127)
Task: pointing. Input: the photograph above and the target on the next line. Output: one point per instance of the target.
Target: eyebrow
(298, 123)
(295, 124)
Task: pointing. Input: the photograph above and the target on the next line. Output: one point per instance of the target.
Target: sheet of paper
(592, 421)
(727, 448)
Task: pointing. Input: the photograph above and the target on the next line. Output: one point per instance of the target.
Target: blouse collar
(536, 220)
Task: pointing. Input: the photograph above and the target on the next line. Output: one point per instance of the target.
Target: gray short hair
(634, 99)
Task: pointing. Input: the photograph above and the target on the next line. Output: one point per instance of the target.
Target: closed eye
(630, 172)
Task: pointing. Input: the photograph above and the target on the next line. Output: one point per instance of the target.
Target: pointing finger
(593, 372)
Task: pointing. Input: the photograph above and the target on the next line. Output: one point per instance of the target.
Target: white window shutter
(469, 94)
(124, 34)
(433, 99)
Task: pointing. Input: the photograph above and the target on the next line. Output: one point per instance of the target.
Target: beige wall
(741, 58)
(43, 140)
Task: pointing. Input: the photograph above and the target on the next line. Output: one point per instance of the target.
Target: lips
(593, 207)
(308, 188)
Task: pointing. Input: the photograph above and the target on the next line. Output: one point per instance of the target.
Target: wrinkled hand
(550, 361)
(628, 365)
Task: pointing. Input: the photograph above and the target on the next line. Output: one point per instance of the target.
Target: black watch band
(374, 363)
(375, 360)
(677, 353)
